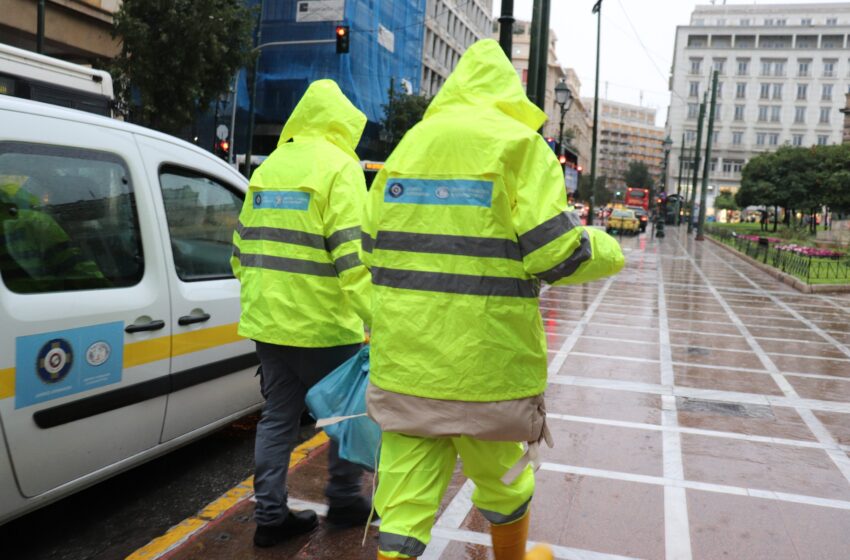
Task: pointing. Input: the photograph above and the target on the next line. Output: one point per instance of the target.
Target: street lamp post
(564, 98)
(597, 9)
(668, 145)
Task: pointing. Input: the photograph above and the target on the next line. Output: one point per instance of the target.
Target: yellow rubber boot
(509, 542)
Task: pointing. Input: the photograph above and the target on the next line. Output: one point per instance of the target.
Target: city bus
(637, 197)
(29, 75)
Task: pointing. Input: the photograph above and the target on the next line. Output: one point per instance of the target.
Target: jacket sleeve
(555, 246)
(235, 263)
(342, 223)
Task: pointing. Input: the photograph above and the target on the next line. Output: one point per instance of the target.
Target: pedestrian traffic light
(342, 39)
(222, 148)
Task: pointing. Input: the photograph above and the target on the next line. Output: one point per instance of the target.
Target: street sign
(222, 131)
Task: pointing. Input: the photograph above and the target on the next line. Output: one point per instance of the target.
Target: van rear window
(68, 220)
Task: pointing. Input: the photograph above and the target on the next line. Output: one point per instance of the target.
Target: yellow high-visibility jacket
(464, 220)
(297, 243)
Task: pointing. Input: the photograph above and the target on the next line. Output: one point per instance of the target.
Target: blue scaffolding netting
(385, 45)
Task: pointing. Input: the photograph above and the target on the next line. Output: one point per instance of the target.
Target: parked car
(623, 221)
(118, 305)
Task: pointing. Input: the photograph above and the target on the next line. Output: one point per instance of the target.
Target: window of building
(743, 67)
(764, 92)
(822, 139)
(696, 66)
(72, 223)
(770, 22)
(763, 109)
(775, 113)
(777, 91)
(201, 212)
(714, 138)
(693, 110)
(802, 90)
(806, 21)
(824, 115)
(718, 110)
(713, 166)
(826, 92)
(699, 22)
(781, 22)
(737, 166)
(799, 115)
(832, 21)
(719, 64)
(744, 22)
(727, 166)
(797, 140)
(761, 138)
(765, 68)
(779, 68)
(828, 68)
(773, 139)
(740, 90)
(693, 90)
(737, 137)
(803, 68)
(739, 112)
(719, 89)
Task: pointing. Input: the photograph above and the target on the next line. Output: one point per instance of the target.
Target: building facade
(450, 28)
(784, 69)
(78, 31)
(627, 133)
(576, 121)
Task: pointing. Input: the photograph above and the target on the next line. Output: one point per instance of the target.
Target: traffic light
(342, 39)
(222, 148)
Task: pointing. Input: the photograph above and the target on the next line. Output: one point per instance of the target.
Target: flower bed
(810, 251)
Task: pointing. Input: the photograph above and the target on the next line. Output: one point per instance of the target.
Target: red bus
(637, 197)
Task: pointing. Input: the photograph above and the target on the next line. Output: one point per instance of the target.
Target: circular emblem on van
(396, 190)
(98, 353)
(54, 361)
(442, 192)
(258, 199)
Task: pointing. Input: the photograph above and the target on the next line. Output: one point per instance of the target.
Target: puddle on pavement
(725, 408)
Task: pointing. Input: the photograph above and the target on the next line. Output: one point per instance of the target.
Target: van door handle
(192, 319)
(149, 326)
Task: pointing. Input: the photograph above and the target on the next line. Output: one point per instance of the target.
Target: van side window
(202, 214)
(68, 220)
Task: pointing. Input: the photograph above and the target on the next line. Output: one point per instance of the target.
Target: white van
(34, 76)
(118, 309)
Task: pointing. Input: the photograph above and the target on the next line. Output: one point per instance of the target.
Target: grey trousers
(286, 375)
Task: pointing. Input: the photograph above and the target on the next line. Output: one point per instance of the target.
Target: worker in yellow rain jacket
(304, 294)
(462, 223)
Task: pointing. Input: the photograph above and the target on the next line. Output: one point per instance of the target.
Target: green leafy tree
(401, 113)
(638, 176)
(602, 195)
(177, 56)
(725, 201)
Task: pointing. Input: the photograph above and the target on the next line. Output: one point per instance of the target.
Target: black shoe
(352, 515)
(296, 523)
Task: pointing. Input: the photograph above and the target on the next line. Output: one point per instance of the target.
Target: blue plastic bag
(343, 393)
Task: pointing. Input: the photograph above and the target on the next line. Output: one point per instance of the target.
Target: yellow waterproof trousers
(414, 473)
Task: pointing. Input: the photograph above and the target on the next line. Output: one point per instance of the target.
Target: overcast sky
(637, 44)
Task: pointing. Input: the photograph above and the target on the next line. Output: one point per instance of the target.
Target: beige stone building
(627, 133)
(79, 31)
(576, 119)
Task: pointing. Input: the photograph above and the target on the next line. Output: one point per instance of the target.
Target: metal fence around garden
(811, 269)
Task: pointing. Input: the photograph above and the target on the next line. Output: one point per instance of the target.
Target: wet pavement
(700, 408)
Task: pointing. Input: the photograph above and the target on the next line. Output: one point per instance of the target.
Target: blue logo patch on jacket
(281, 200)
(443, 192)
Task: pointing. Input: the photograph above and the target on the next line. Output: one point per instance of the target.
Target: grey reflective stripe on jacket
(391, 542)
(503, 519)
(466, 284)
(568, 266)
(346, 261)
(448, 245)
(284, 264)
(341, 236)
(281, 235)
(548, 231)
